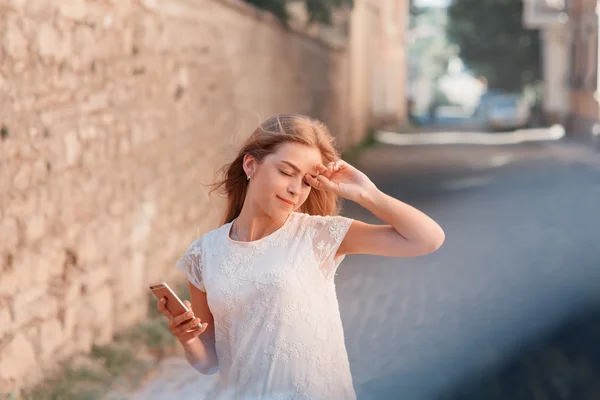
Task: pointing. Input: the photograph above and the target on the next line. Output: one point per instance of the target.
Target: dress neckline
(273, 234)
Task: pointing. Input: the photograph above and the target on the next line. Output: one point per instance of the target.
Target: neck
(251, 225)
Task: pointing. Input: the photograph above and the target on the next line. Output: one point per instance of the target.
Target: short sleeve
(191, 264)
(327, 234)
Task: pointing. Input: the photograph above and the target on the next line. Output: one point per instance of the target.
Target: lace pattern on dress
(327, 234)
(277, 326)
(191, 264)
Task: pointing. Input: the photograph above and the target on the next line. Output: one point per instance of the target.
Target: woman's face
(277, 183)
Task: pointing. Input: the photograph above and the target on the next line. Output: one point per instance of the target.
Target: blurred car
(504, 111)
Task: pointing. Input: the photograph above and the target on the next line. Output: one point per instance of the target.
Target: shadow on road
(565, 364)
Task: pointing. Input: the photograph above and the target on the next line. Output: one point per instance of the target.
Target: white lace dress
(277, 323)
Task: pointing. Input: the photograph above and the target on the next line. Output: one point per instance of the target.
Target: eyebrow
(292, 165)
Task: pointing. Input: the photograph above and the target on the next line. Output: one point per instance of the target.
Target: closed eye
(287, 174)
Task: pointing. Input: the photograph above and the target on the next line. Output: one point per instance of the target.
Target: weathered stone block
(52, 337)
(16, 4)
(14, 41)
(69, 318)
(33, 303)
(17, 358)
(72, 9)
(83, 338)
(130, 313)
(104, 332)
(48, 41)
(22, 177)
(89, 246)
(102, 305)
(73, 149)
(6, 322)
(97, 277)
(43, 308)
(52, 44)
(19, 275)
(9, 284)
(34, 227)
(10, 233)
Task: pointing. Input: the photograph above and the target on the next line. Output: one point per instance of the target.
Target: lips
(291, 203)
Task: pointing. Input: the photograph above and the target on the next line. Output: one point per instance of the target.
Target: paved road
(522, 254)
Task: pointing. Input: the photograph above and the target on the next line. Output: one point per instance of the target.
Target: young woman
(264, 306)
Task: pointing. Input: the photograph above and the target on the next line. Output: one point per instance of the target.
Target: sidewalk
(575, 151)
(565, 148)
(176, 376)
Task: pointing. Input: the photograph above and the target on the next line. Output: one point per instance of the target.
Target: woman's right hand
(186, 332)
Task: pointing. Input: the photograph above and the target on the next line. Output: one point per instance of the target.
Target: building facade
(551, 18)
(377, 61)
(584, 108)
(570, 31)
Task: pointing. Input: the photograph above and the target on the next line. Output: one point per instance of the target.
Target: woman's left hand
(342, 179)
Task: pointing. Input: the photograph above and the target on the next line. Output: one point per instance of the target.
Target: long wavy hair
(265, 140)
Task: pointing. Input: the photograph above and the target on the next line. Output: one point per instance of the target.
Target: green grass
(120, 365)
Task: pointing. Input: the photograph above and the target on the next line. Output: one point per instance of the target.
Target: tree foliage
(430, 51)
(414, 10)
(319, 11)
(494, 43)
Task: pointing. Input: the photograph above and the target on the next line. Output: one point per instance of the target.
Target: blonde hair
(265, 140)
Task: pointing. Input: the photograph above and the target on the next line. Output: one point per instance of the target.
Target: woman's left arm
(410, 232)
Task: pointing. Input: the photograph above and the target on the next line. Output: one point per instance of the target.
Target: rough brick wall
(112, 115)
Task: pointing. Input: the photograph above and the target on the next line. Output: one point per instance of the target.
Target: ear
(249, 164)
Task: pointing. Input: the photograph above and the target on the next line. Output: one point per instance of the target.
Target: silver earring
(247, 177)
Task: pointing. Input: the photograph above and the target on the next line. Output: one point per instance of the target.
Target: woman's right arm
(199, 345)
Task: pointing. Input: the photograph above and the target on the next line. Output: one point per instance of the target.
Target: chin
(282, 212)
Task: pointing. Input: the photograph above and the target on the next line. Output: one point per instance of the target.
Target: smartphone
(174, 303)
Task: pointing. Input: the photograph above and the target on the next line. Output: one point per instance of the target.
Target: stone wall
(113, 114)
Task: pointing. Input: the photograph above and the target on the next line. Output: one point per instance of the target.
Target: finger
(326, 171)
(163, 309)
(321, 169)
(325, 182)
(193, 324)
(183, 317)
(199, 330)
(313, 182)
(188, 305)
(203, 327)
(339, 164)
(321, 182)
(332, 169)
(187, 336)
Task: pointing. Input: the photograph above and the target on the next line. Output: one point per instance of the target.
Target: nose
(293, 189)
